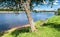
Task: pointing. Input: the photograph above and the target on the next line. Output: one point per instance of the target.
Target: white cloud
(55, 3)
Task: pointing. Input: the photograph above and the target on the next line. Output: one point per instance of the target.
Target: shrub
(59, 11)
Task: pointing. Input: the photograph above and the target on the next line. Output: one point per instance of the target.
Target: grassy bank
(49, 29)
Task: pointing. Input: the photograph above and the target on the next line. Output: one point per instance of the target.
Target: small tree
(27, 5)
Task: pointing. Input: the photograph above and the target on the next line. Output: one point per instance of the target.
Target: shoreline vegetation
(31, 10)
(19, 11)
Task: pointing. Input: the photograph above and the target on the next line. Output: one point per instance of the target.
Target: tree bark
(27, 10)
(30, 19)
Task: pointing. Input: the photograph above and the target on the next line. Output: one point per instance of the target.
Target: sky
(44, 7)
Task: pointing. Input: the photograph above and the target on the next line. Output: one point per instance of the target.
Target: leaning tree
(27, 6)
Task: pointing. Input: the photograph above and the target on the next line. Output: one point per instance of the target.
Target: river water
(10, 20)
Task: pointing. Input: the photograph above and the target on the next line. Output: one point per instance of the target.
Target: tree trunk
(27, 10)
(29, 18)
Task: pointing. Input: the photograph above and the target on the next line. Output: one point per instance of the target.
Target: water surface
(10, 20)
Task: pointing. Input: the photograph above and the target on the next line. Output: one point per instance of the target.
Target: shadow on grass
(15, 33)
(53, 25)
(1, 34)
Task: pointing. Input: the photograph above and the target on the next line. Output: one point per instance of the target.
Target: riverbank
(8, 21)
(49, 29)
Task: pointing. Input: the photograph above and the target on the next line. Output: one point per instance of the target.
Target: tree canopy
(17, 3)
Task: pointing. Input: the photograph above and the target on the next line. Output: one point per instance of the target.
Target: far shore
(19, 11)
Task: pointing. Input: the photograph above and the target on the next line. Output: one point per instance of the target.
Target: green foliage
(18, 2)
(10, 10)
(59, 11)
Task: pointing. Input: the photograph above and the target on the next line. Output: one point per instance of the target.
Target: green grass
(49, 29)
(54, 19)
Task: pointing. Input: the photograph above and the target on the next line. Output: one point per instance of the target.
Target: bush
(59, 11)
